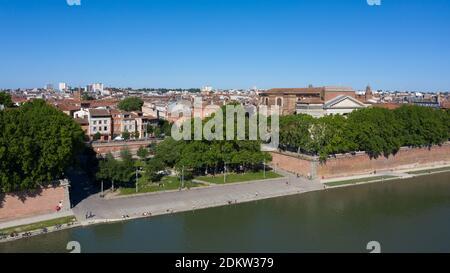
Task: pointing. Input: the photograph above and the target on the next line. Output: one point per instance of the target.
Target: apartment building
(100, 123)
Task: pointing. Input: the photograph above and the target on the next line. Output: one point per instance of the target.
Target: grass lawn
(237, 177)
(39, 225)
(430, 170)
(359, 180)
(166, 183)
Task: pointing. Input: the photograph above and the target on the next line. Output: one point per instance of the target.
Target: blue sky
(402, 44)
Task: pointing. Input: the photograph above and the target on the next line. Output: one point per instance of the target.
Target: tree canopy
(131, 104)
(376, 131)
(211, 156)
(37, 143)
(5, 99)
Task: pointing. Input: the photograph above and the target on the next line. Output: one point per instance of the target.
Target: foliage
(376, 131)
(142, 152)
(153, 169)
(86, 96)
(96, 136)
(131, 104)
(121, 171)
(37, 143)
(126, 135)
(200, 157)
(5, 99)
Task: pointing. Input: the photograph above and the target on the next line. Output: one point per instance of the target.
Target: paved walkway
(35, 219)
(104, 210)
(403, 173)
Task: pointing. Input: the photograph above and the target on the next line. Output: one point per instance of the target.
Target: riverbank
(385, 176)
(144, 205)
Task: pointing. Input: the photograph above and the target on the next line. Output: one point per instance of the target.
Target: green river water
(411, 215)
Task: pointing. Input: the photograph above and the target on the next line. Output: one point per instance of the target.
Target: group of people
(89, 215)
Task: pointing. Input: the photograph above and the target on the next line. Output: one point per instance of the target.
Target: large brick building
(316, 101)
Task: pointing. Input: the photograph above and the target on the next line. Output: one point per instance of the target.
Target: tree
(5, 100)
(86, 96)
(37, 143)
(142, 153)
(126, 135)
(375, 131)
(131, 104)
(422, 126)
(96, 136)
(153, 169)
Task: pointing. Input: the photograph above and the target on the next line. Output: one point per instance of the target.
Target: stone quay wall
(360, 163)
(33, 203)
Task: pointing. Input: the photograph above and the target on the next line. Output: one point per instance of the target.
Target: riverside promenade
(113, 209)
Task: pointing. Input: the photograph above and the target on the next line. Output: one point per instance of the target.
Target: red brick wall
(405, 158)
(331, 95)
(291, 163)
(112, 147)
(35, 203)
(346, 165)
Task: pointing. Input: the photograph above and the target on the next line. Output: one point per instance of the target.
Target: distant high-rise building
(95, 87)
(48, 87)
(207, 88)
(62, 86)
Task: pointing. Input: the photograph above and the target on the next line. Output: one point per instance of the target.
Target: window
(105, 121)
(99, 122)
(279, 101)
(94, 128)
(105, 128)
(94, 122)
(100, 128)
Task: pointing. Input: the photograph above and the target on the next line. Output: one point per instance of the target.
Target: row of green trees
(5, 99)
(131, 104)
(118, 172)
(200, 157)
(37, 143)
(376, 131)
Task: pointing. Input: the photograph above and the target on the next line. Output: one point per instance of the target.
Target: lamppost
(225, 173)
(264, 168)
(137, 187)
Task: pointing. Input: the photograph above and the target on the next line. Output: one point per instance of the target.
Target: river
(410, 215)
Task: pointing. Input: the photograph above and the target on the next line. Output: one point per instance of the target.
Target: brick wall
(405, 158)
(292, 163)
(361, 163)
(31, 203)
(116, 147)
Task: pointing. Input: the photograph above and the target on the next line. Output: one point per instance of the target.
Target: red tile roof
(390, 106)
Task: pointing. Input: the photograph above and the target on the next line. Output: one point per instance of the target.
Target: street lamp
(137, 187)
(264, 168)
(225, 173)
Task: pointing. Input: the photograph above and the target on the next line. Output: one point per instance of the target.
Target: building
(315, 101)
(62, 86)
(122, 122)
(100, 123)
(132, 122)
(340, 105)
(94, 88)
(48, 87)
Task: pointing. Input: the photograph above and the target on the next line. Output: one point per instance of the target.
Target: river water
(411, 215)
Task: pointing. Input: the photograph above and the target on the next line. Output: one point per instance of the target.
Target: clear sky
(402, 44)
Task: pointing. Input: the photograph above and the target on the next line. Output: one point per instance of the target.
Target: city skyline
(400, 45)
